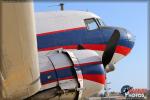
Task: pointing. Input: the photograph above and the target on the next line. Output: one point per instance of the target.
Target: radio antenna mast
(61, 6)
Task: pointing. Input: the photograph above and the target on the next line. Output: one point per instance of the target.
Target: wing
(19, 71)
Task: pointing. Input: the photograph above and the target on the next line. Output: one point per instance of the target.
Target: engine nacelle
(79, 71)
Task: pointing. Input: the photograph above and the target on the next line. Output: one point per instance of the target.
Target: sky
(132, 70)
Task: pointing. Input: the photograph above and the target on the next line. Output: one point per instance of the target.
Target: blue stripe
(80, 36)
(67, 72)
(92, 69)
(44, 77)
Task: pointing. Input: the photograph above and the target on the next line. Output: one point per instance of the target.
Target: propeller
(110, 48)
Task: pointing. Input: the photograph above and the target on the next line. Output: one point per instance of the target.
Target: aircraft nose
(127, 40)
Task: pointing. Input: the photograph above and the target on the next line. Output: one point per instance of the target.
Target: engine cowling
(78, 72)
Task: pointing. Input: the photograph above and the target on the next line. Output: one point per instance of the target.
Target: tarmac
(108, 98)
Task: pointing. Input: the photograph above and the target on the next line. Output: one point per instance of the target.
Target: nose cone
(126, 41)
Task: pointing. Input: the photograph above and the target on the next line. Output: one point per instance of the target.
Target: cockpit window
(91, 24)
(101, 23)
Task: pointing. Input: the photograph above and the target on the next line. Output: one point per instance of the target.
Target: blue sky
(132, 70)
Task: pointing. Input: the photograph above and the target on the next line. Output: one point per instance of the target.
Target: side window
(91, 24)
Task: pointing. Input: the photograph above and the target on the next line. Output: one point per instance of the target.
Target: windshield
(91, 24)
(101, 23)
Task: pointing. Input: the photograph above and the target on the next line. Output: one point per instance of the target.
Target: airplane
(80, 30)
(75, 52)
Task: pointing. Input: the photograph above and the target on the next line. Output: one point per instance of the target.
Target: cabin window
(91, 24)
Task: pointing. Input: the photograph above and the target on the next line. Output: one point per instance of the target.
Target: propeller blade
(80, 47)
(110, 48)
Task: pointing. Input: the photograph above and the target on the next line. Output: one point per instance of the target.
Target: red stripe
(62, 68)
(95, 77)
(65, 30)
(90, 63)
(120, 49)
(91, 77)
(101, 47)
(123, 50)
(65, 47)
